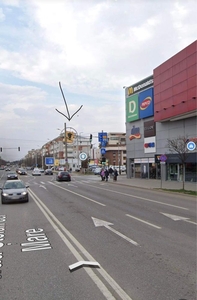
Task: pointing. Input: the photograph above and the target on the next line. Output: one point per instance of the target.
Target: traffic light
(19, 148)
(1, 149)
(69, 136)
(90, 138)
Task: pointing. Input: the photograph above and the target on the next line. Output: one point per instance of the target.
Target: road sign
(102, 136)
(83, 156)
(191, 146)
(49, 161)
(163, 158)
(103, 150)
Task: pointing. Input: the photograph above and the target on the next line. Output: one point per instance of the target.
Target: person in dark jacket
(106, 174)
(115, 174)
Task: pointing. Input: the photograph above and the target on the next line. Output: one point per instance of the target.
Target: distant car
(12, 175)
(123, 168)
(22, 172)
(41, 170)
(7, 169)
(36, 172)
(63, 176)
(61, 169)
(97, 171)
(48, 172)
(14, 191)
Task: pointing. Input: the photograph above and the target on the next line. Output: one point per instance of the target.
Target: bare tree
(179, 146)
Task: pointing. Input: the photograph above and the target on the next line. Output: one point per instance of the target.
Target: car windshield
(14, 185)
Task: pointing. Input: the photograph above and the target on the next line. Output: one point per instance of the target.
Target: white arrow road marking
(178, 218)
(44, 187)
(83, 263)
(80, 252)
(143, 221)
(70, 184)
(42, 182)
(98, 222)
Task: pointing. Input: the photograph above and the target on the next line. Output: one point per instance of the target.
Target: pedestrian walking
(106, 174)
(115, 174)
(102, 174)
(110, 172)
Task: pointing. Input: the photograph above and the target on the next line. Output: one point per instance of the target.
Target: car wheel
(3, 201)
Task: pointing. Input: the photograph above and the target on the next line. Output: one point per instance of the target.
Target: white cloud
(2, 16)
(93, 47)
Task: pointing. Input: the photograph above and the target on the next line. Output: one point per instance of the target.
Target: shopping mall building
(159, 108)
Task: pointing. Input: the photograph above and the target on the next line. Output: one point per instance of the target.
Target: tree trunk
(183, 176)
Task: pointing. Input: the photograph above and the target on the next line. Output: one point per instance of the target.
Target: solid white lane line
(102, 287)
(89, 199)
(143, 221)
(142, 198)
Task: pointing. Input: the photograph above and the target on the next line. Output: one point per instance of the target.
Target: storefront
(174, 167)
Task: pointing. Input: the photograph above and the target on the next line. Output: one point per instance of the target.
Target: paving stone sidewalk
(154, 183)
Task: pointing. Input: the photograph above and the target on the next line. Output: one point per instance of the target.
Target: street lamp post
(65, 141)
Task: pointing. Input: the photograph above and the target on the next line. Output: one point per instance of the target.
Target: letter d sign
(132, 106)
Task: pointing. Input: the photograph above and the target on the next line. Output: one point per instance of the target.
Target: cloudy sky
(94, 48)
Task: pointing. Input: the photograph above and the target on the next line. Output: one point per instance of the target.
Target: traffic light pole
(65, 141)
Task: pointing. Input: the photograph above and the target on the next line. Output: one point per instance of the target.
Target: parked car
(97, 171)
(12, 175)
(63, 176)
(14, 191)
(36, 172)
(93, 167)
(48, 172)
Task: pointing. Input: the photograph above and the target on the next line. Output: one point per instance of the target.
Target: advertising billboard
(132, 110)
(149, 128)
(146, 104)
(140, 105)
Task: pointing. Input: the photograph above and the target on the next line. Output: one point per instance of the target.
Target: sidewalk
(154, 183)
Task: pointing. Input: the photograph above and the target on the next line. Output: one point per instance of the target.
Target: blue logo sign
(49, 161)
(103, 151)
(146, 103)
(83, 156)
(191, 146)
(102, 136)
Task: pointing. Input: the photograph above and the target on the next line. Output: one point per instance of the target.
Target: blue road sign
(102, 136)
(103, 150)
(191, 146)
(49, 161)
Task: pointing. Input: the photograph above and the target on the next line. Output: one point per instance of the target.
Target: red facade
(175, 85)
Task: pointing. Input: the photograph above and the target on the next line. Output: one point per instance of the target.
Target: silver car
(14, 191)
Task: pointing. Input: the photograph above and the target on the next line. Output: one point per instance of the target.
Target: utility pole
(68, 118)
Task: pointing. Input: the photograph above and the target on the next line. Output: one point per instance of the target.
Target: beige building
(116, 149)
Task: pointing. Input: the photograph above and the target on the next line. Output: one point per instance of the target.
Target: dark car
(12, 175)
(22, 172)
(48, 172)
(14, 191)
(63, 176)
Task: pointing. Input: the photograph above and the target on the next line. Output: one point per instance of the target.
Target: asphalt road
(142, 243)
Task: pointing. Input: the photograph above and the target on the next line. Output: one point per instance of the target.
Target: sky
(94, 48)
